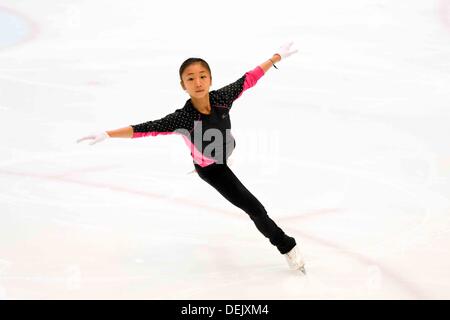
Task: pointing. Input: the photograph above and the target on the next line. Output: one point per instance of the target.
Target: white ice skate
(295, 260)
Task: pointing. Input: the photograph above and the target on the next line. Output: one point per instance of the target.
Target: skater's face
(196, 80)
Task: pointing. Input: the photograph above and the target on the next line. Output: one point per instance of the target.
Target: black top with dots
(189, 122)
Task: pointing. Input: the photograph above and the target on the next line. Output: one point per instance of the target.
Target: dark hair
(190, 61)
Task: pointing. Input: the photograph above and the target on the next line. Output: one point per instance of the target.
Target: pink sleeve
(251, 78)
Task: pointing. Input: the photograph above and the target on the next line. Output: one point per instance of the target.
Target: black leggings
(223, 180)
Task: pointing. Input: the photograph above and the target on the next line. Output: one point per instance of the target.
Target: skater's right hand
(96, 137)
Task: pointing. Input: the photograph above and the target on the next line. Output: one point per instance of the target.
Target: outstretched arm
(234, 90)
(167, 125)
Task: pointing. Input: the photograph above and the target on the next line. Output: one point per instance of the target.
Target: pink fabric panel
(145, 134)
(199, 158)
(251, 78)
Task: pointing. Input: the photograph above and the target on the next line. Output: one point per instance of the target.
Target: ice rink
(349, 152)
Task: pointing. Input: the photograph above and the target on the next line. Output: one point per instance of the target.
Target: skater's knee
(257, 212)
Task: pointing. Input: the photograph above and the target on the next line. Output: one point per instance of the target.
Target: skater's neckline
(205, 114)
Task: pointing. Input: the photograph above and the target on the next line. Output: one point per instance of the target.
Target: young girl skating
(206, 115)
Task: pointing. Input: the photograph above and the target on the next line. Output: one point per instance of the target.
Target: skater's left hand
(285, 50)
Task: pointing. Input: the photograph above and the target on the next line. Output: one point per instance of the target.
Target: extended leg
(225, 181)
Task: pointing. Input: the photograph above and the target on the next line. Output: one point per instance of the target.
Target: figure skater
(205, 116)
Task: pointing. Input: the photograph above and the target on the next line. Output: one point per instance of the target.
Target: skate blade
(302, 270)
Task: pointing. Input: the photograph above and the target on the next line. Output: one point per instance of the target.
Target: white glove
(96, 137)
(284, 51)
